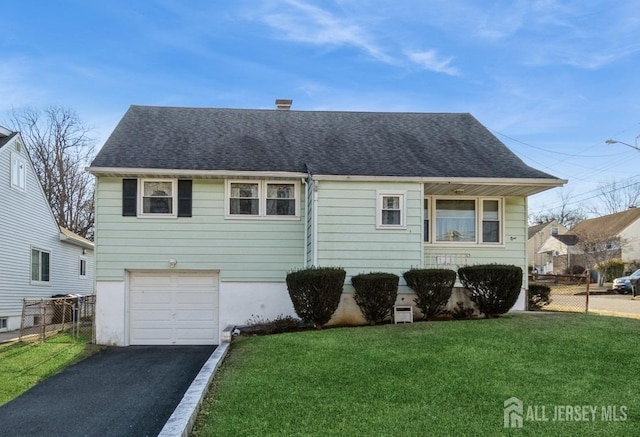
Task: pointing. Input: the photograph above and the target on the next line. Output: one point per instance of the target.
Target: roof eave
(186, 173)
(462, 185)
(76, 241)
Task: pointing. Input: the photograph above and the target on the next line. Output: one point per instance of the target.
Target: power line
(571, 155)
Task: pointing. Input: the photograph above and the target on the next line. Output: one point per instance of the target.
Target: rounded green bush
(375, 294)
(433, 289)
(493, 287)
(315, 293)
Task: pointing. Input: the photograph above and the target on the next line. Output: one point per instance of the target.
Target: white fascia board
(203, 174)
(76, 242)
(456, 180)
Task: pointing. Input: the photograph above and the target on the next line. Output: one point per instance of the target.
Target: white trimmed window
(390, 210)
(281, 199)
(3, 323)
(262, 199)
(18, 172)
(244, 198)
(491, 213)
(158, 197)
(463, 220)
(40, 265)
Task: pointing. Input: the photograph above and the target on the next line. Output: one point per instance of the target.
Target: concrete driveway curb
(181, 422)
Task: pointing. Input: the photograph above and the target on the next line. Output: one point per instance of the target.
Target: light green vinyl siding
(241, 249)
(266, 250)
(347, 234)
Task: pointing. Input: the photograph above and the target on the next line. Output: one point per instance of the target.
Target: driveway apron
(127, 391)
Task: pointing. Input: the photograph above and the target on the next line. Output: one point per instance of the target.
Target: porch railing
(451, 261)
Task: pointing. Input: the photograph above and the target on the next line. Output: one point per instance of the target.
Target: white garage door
(173, 307)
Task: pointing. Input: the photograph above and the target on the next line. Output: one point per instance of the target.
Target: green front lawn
(434, 378)
(23, 364)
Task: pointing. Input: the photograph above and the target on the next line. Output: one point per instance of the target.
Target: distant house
(538, 235)
(625, 225)
(563, 251)
(37, 257)
(202, 212)
(560, 255)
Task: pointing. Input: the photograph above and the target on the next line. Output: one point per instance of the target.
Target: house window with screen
(391, 210)
(281, 199)
(244, 199)
(262, 199)
(490, 221)
(158, 197)
(40, 265)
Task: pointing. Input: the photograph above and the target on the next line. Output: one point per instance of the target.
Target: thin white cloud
(310, 24)
(593, 61)
(299, 21)
(430, 60)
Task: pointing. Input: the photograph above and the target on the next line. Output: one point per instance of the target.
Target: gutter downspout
(315, 223)
(306, 216)
(313, 217)
(525, 275)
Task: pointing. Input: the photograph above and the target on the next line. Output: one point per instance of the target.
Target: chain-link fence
(47, 316)
(559, 293)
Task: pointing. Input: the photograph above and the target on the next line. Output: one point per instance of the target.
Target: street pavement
(615, 304)
(124, 391)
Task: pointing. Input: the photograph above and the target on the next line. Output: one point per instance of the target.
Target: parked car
(625, 284)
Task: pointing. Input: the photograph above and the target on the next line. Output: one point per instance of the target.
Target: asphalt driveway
(128, 391)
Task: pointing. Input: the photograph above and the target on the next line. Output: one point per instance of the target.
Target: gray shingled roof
(5, 140)
(567, 239)
(612, 224)
(325, 142)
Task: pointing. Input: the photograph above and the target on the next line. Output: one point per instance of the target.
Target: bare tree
(566, 215)
(599, 247)
(616, 196)
(60, 148)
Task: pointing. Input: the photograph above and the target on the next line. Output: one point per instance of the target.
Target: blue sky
(552, 79)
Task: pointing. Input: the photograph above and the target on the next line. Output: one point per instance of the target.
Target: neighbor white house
(37, 258)
(564, 251)
(202, 212)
